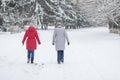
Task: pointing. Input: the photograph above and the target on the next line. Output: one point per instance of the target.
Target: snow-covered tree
(98, 10)
(41, 12)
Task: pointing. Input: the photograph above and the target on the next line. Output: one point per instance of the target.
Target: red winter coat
(32, 36)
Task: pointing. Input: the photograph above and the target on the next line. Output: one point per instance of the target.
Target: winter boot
(28, 60)
(32, 60)
(62, 61)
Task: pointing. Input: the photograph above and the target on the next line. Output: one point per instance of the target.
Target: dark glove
(39, 43)
(68, 43)
(52, 43)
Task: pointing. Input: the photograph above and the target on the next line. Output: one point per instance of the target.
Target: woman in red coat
(31, 37)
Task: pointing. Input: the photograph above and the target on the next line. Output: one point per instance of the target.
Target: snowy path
(94, 54)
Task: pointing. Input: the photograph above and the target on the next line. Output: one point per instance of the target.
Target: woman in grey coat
(59, 38)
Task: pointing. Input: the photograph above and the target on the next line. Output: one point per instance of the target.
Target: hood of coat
(31, 29)
(31, 32)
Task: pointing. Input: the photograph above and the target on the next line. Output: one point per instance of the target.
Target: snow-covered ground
(93, 54)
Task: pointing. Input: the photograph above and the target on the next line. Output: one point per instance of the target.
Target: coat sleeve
(37, 38)
(66, 36)
(24, 38)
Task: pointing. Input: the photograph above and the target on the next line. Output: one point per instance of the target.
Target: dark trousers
(60, 56)
(30, 56)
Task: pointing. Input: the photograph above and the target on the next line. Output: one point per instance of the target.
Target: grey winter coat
(59, 37)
